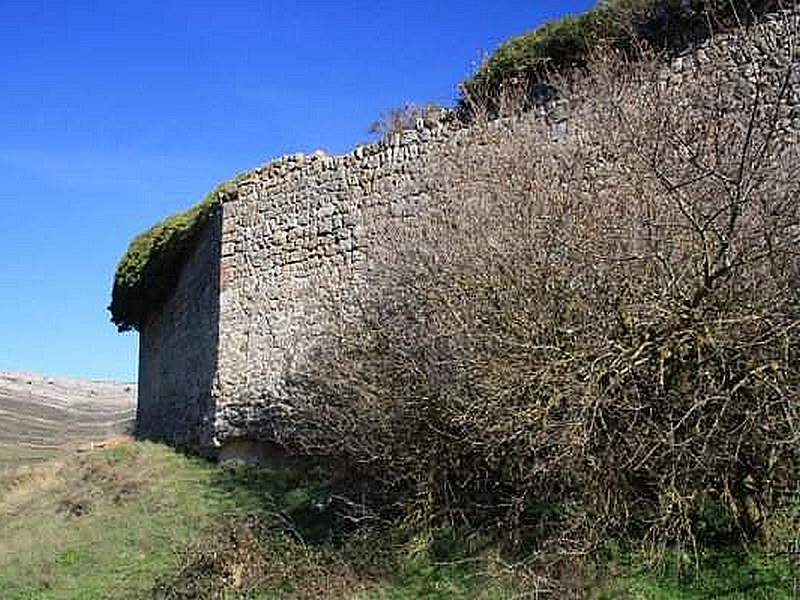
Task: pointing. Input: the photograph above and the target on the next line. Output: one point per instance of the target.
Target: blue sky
(115, 114)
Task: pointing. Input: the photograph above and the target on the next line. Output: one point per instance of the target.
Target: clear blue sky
(115, 114)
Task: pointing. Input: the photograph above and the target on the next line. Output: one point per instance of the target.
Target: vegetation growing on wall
(149, 269)
(526, 61)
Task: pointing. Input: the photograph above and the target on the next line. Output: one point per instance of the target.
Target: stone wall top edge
(789, 17)
(445, 127)
(359, 157)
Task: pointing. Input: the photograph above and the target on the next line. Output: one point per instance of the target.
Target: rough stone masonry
(244, 307)
(248, 301)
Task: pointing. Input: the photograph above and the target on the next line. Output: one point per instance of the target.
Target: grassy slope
(101, 525)
(123, 522)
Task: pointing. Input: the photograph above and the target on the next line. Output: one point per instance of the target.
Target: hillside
(141, 521)
(41, 416)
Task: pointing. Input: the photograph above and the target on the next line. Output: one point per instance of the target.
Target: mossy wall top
(524, 62)
(149, 269)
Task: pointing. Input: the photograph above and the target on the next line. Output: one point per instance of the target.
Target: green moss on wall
(149, 270)
(530, 59)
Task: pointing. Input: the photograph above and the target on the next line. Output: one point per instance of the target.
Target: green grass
(724, 573)
(142, 521)
(424, 579)
(552, 48)
(102, 525)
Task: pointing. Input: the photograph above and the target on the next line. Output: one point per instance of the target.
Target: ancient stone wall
(293, 237)
(749, 58)
(287, 244)
(178, 353)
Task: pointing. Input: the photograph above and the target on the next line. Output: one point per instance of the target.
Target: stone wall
(758, 55)
(294, 236)
(289, 241)
(178, 353)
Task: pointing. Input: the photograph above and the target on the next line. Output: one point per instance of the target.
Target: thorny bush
(589, 336)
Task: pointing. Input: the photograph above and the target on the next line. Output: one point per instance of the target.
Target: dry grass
(245, 555)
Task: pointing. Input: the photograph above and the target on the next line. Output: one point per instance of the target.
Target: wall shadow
(178, 352)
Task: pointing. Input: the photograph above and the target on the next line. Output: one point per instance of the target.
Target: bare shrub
(244, 555)
(585, 338)
(408, 116)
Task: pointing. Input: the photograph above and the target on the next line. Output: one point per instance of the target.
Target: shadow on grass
(282, 538)
(730, 572)
(299, 512)
(298, 499)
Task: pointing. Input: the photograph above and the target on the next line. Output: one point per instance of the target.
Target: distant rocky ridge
(41, 416)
